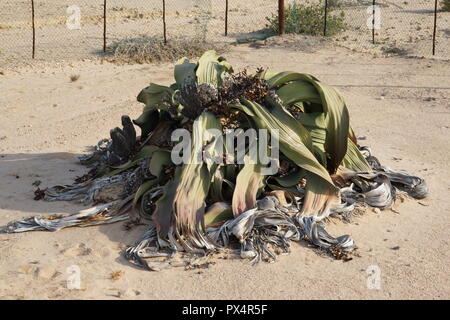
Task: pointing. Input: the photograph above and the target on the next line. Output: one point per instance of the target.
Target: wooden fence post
(281, 17)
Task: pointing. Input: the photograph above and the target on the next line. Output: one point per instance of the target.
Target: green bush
(446, 5)
(334, 3)
(308, 18)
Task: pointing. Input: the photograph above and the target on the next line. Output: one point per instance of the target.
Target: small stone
(45, 273)
(376, 210)
(115, 293)
(129, 293)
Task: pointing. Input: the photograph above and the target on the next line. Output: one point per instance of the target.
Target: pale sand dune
(402, 107)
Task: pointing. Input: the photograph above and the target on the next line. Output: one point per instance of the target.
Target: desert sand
(399, 106)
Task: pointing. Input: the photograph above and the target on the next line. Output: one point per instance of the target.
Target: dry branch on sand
(200, 207)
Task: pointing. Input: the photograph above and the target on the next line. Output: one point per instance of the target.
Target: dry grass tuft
(74, 77)
(148, 49)
(116, 275)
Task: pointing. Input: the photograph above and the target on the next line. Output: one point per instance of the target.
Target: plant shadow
(22, 173)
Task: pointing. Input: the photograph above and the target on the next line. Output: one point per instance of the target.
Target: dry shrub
(150, 49)
(74, 77)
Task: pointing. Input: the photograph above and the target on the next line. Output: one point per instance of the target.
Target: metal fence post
(434, 27)
(226, 17)
(325, 16)
(281, 17)
(104, 26)
(373, 21)
(164, 22)
(34, 29)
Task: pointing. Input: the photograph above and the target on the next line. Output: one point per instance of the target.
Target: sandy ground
(406, 26)
(400, 105)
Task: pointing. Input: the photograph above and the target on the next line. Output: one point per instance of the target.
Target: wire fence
(82, 28)
(416, 27)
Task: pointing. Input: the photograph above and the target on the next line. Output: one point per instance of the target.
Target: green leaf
(333, 106)
(156, 97)
(248, 182)
(315, 124)
(321, 191)
(212, 68)
(185, 72)
(291, 179)
(319, 197)
(147, 121)
(354, 160)
(186, 205)
(143, 188)
(163, 217)
(292, 125)
(159, 160)
(292, 142)
(215, 192)
(218, 213)
(145, 152)
(298, 91)
(277, 79)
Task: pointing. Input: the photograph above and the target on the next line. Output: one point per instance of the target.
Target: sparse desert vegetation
(153, 49)
(304, 17)
(406, 26)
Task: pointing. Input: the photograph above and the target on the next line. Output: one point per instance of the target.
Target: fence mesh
(406, 27)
